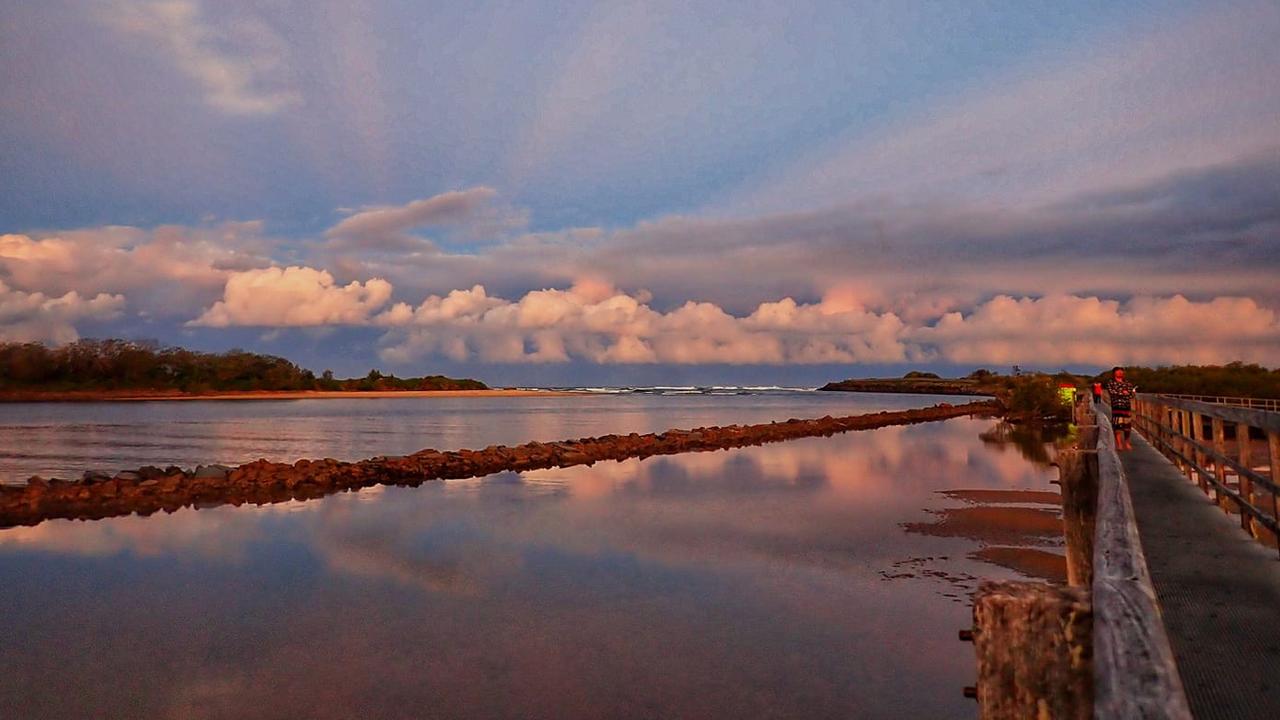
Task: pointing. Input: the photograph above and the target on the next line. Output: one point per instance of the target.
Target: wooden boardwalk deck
(1218, 588)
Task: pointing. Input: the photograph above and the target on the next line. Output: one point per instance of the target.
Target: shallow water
(66, 439)
(788, 580)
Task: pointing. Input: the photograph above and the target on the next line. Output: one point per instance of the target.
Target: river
(822, 577)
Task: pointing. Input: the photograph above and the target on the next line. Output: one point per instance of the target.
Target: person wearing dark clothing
(1120, 393)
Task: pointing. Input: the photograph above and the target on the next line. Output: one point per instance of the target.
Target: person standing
(1097, 392)
(1120, 393)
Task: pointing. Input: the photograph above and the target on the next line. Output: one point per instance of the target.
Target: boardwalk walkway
(1219, 591)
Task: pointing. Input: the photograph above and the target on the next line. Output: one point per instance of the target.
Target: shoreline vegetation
(150, 489)
(1025, 398)
(1236, 379)
(21, 396)
(1036, 397)
(132, 370)
(919, 386)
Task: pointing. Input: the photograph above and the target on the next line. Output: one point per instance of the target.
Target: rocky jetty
(149, 489)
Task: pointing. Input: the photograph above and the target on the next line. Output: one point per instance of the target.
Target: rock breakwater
(150, 489)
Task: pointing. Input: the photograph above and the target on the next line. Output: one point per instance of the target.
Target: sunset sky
(566, 193)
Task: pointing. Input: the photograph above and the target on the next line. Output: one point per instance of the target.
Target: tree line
(1235, 379)
(143, 365)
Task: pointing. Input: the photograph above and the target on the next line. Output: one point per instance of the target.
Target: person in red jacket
(1097, 392)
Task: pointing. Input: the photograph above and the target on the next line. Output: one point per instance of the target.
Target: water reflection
(1033, 442)
(754, 582)
(64, 440)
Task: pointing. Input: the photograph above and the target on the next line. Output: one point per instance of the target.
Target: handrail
(1135, 674)
(1176, 426)
(1267, 420)
(1272, 404)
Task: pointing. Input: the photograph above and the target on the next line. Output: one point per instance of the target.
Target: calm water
(799, 579)
(65, 439)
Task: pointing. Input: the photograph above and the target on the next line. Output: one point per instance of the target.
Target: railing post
(1219, 469)
(1187, 453)
(1273, 447)
(1197, 457)
(1245, 455)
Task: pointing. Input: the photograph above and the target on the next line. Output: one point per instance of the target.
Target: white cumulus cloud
(294, 297)
(603, 325)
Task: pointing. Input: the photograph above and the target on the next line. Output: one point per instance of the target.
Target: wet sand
(1031, 562)
(150, 395)
(995, 525)
(988, 497)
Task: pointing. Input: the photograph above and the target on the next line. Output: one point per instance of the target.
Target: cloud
(36, 317)
(1111, 111)
(602, 325)
(239, 64)
(617, 328)
(1203, 233)
(294, 297)
(169, 271)
(594, 322)
(386, 227)
(1065, 329)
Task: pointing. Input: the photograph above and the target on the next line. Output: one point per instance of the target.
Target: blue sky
(637, 187)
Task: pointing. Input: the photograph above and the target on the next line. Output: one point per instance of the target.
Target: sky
(560, 193)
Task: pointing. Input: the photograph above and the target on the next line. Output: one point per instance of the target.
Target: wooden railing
(1134, 672)
(1270, 404)
(1193, 435)
(1096, 648)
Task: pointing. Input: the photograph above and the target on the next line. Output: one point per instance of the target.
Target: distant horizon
(555, 376)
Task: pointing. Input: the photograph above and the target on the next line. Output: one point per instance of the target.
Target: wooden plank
(1268, 420)
(1032, 643)
(1135, 675)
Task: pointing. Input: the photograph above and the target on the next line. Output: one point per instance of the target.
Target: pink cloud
(36, 317)
(294, 297)
(1067, 329)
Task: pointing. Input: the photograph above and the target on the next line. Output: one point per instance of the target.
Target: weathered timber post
(1244, 453)
(1197, 457)
(1033, 646)
(1220, 468)
(1273, 447)
(1185, 436)
(1078, 478)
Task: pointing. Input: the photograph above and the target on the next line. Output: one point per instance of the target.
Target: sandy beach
(143, 395)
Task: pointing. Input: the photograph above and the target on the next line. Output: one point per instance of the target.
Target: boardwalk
(1219, 590)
